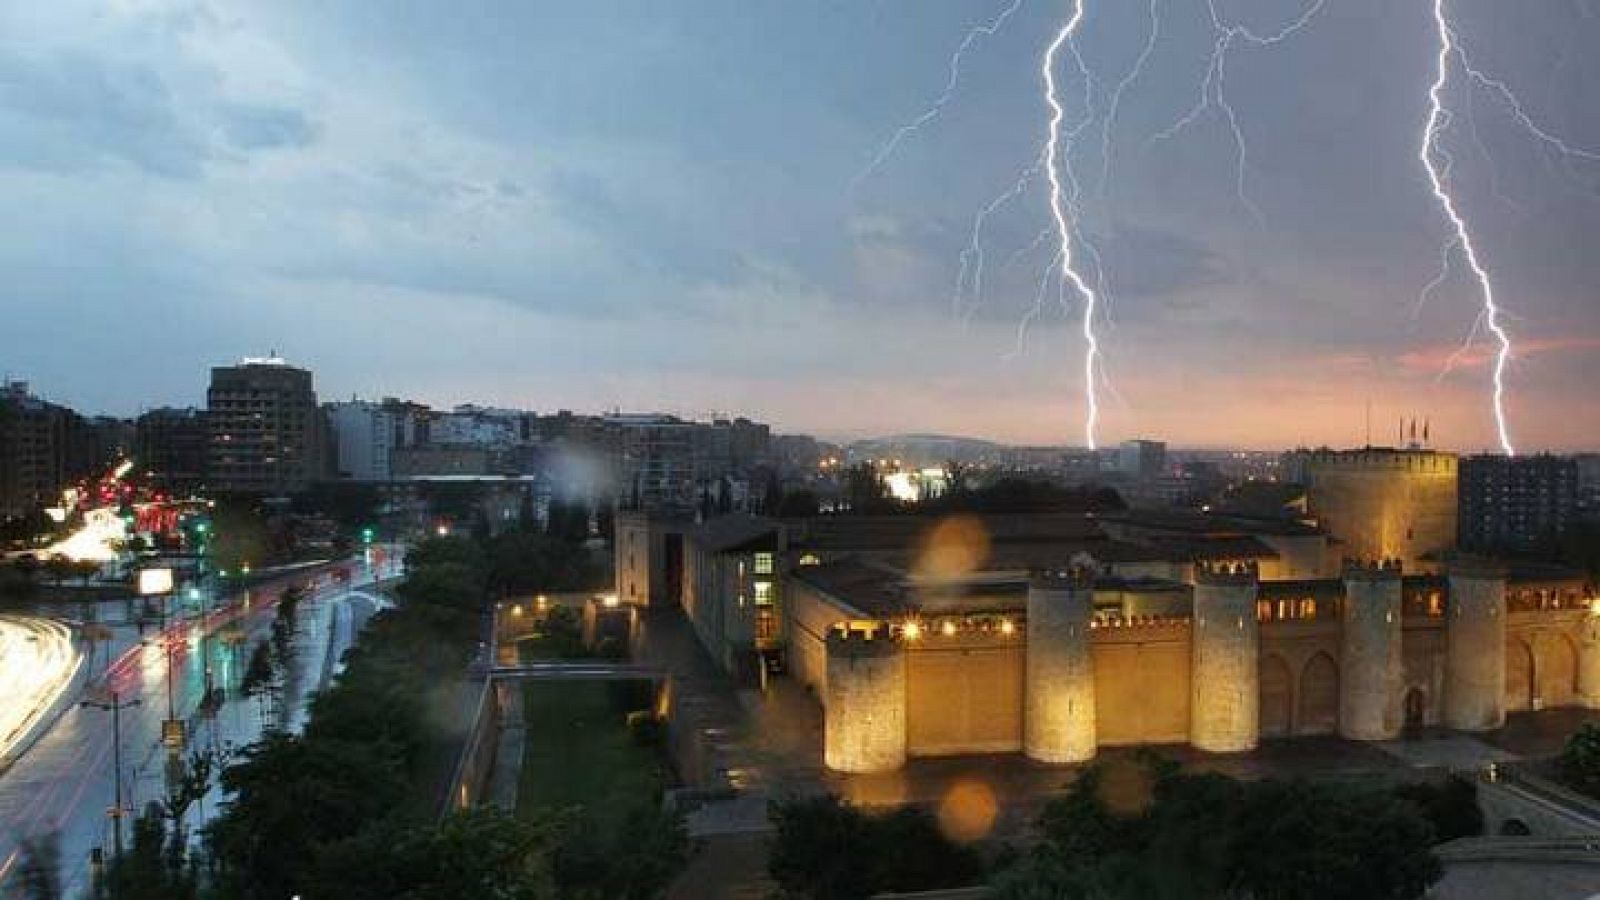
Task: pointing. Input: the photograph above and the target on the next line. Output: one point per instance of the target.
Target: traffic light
(367, 534)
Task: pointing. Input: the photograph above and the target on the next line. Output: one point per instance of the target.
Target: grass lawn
(578, 751)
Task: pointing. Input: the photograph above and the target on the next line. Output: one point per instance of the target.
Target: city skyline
(534, 225)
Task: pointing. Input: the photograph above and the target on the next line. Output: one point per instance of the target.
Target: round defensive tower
(1589, 661)
(1059, 711)
(1225, 698)
(1370, 676)
(1475, 647)
(864, 726)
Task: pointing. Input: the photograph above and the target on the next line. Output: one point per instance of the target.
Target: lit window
(763, 592)
(763, 563)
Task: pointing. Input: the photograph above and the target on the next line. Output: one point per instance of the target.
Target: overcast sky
(656, 205)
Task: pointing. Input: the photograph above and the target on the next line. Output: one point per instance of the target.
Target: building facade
(46, 447)
(1516, 503)
(171, 446)
(267, 433)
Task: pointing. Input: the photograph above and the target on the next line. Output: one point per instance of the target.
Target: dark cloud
(72, 111)
(1160, 264)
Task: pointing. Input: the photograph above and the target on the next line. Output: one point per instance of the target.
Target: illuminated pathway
(65, 783)
(37, 663)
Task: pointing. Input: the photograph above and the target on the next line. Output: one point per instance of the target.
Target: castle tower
(1589, 661)
(1475, 647)
(864, 728)
(1370, 668)
(1059, 712)
(1225, 700)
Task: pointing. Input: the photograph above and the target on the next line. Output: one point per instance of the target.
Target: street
(65, 782)
(38, 661)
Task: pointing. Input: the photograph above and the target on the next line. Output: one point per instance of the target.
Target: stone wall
(1141, 683)
(1225, 692)
(864, 722)
(1370, 661)
(1475, 649)
(964, 694)
(1059, 706)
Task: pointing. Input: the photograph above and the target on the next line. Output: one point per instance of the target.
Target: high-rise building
(1588, 485)
(657, 460)
(172, 446)
(367, 435)
(268, 435)
(31, 452)
(1145, 460)
(1516, 502)
(45, 447)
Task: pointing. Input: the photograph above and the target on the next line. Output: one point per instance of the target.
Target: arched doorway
(1277, 696)
(1319, 696)
(1558, 671)
(1519, 676)
(1416, 710)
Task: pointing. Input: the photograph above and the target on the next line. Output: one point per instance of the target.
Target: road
(38, 661)
(65, 782)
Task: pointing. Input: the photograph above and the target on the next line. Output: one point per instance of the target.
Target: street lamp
(159, 583)
(116, 705)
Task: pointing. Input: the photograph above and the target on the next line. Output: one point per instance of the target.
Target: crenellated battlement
(1242, 573)
(1371, 569)
(1119, 622)
(1063, 578)
(857, 641)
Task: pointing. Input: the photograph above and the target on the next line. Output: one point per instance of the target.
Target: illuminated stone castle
(1042, 665)
(1054, 635)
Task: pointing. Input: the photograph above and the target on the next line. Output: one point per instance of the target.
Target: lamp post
(159, 583)
(116, 706)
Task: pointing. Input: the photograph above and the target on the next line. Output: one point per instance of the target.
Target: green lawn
(578, 750)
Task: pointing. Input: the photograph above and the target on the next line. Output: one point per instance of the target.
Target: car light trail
(37, 664)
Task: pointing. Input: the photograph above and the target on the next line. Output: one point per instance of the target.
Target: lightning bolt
(1213, 87)
(934, 109)
(1437, 162)
(1059, 176)
(1133, 74)
(969, 273)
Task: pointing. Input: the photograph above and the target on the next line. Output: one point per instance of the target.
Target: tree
(797, 504)
(826, 850)
(1451, 807)
(480, 852)
(39, 867)
(1117, 834)
(1579, 762)
(821, 849)
(152, 868)
(260, 678)
(865, 491)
